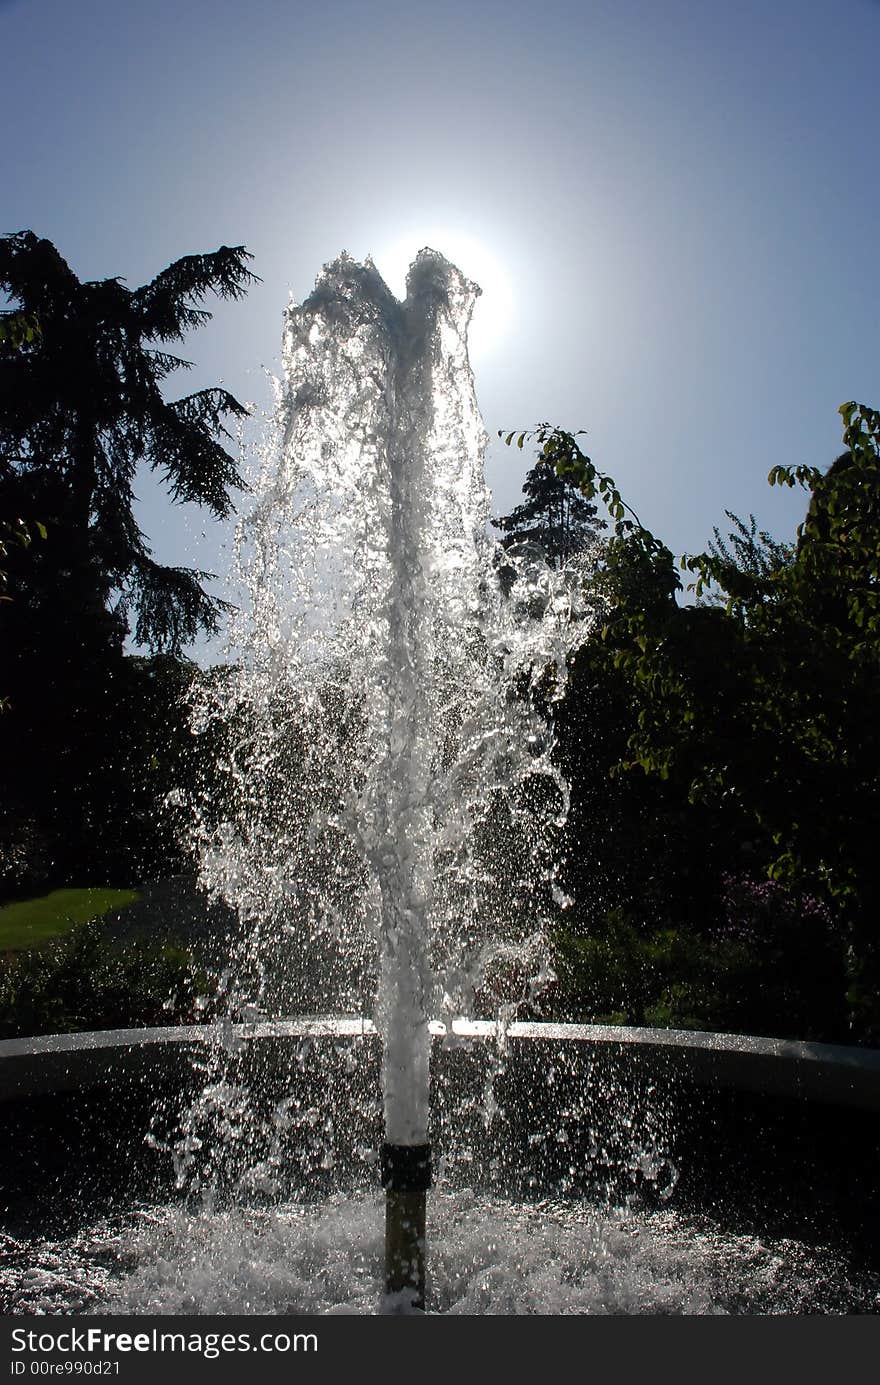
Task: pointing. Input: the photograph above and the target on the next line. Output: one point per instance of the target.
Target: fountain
(386, 827)
(375, 608)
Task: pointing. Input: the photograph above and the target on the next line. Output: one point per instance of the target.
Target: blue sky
(678, 203)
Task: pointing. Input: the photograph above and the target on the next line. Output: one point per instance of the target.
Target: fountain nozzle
(406, 1177)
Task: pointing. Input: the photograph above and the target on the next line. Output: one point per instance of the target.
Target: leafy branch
(560, 450)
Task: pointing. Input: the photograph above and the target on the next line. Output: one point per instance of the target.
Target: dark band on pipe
(405, 1168)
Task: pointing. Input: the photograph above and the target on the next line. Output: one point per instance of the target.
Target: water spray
(381, 780)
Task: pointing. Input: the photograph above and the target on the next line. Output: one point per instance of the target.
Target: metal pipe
(406, 1178)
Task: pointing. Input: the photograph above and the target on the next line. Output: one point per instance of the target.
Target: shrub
(81, 982)
(772, 963)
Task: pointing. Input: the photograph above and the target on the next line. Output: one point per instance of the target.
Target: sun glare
(493, 313)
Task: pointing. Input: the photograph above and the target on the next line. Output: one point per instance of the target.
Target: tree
(81, 406)
(554, 515)
(745, 554)
(759, 707)
(16, 330)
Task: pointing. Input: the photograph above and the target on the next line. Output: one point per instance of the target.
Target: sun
(493, 313)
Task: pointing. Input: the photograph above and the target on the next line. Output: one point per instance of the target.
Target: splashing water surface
(488, 1256)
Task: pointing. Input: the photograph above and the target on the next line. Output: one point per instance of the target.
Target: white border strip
(831, 1073)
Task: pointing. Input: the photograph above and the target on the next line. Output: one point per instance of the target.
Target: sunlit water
(388, 819)
(488, 1256)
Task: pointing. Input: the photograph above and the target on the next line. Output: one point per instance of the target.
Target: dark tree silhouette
(554, 515)
(81, 406)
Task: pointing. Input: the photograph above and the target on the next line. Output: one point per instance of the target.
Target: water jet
(418, 826)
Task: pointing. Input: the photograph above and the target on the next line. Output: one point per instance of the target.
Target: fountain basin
(827, 1073)
(622, 1136)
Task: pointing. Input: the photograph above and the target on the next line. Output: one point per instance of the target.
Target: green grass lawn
(29, 922)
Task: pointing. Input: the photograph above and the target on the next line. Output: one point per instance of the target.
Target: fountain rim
(833, 1074)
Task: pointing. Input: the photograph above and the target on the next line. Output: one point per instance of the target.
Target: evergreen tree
(81, 407)
(554, 515)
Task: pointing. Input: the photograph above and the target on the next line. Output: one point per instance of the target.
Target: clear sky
(674, 205)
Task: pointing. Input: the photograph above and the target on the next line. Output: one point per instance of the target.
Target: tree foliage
(82, 406)
(745, 723)
(555, 515)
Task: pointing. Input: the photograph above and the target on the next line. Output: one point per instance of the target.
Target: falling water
(395, 803)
